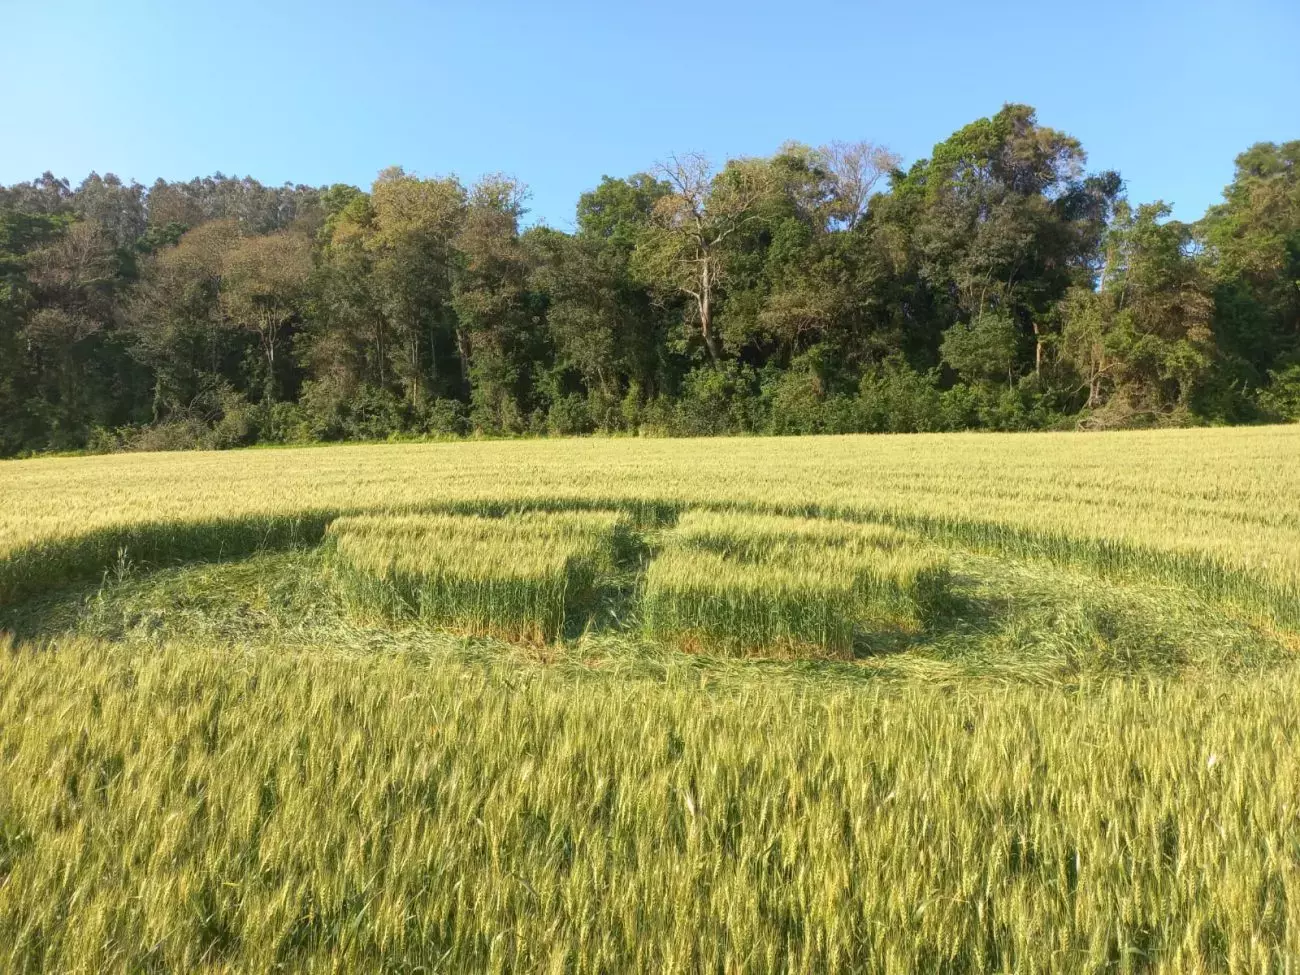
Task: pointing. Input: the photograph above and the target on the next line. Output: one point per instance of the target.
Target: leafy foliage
(997, 283)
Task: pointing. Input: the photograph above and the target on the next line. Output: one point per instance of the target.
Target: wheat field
(960, 703)
(1221, 503)
(803, 586)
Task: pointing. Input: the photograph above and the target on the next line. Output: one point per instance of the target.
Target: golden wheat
(755, 583)
(518, 576)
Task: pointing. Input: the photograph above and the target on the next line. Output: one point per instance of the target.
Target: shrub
(238, 426)
(796, 399)
(1027, 406)
(285, 423)
(1281, 398)
(630, 408)
(719, 401)
(797, 402)
(569, 416)
(895, 398)
(374, 413)
(984, 348)
(172, 435)
(103, 440)
(445, 418)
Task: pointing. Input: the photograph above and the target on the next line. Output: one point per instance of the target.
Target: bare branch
(856, 168)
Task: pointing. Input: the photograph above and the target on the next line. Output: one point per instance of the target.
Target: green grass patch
(527, 576)
(763, 584)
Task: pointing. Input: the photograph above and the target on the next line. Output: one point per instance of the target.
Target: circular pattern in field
(713, 582)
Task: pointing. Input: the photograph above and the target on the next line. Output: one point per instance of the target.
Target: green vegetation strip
(37, 567)
(757, 584)
(61, 561)
(520, 576)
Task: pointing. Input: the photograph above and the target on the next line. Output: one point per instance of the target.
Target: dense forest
(997, 284)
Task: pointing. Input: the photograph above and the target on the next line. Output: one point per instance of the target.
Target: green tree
(1142, 341)
(605, 328)
(984, 349)
(1252, 252)
(1002, 219)
(409, 229)
(173, 319)
(491, 298)
(116, 207)
(683, 251)
(821, 268)
(263, 289)
(21, 234)
(77, 373)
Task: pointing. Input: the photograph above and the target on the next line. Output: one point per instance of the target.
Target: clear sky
(558, 93)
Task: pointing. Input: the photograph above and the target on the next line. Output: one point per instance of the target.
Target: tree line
(997, 284)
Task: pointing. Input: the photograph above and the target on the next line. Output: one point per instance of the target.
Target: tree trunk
(433, 360)
(462, 347)
(706, 315)
(269, 329)
(1094, 383)
(415, 366)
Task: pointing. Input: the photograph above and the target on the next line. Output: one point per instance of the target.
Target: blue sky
(560, 93)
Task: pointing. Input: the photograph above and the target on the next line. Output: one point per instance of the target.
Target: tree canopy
(998, 283)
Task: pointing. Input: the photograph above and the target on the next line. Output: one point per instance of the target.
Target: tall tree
(683, 251)
(821, 266)
(412, 224)
(263, 286)
(173, 320)
(346, 342)
(22, 233)
(995, 283)
(1252, 249)
(1002, 219)
(67, 336)
(1142, 340)
(116, 207)
(490, 296)
(856, 168)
